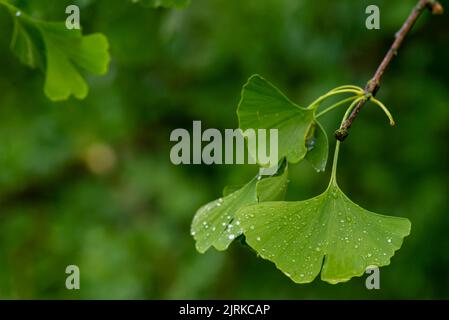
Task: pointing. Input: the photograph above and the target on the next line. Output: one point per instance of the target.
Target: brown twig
(374, 84)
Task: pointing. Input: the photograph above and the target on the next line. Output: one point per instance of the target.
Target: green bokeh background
(125, 223)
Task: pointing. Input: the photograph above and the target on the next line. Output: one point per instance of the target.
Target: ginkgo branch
(337, 146)
(374, 84)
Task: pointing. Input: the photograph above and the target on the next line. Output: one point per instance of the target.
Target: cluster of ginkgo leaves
(329, 233)
(63, 54)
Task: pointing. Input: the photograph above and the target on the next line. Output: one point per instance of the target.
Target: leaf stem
(336, 105)
(337, 145)
(350, 86)
(14, 11)
(7, 4)
(385, 109)
(374, 84)
(331, 93)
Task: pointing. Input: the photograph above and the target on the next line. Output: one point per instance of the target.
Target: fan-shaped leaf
(328, 233)
(27, 44)
(274, 188)
(215, 225)
(66, 52)
(263, 106)
(59, 52)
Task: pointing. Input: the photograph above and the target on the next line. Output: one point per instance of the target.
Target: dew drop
(231, 237)
(258, 238)
(18, 14)
(310, 143)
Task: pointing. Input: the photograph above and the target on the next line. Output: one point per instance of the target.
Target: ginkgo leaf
(263, 106)
(318, 147)
(164, 3)
(28, 44)
(67, 50)
(328, 233)
(274, 188)
(231, 189)
(59, 52)
(269, 189)
(215, 225)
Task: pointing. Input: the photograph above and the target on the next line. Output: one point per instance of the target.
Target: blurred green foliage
(59, 52)
(90, 182)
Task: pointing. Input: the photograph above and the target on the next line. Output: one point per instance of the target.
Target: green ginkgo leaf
(67, 51)
(263, 106)
(318, 147)
(215, 225)
(328, 234)
(61, 53)
(231, 189)
(27, 44)
(274, 188)
(164, 3)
